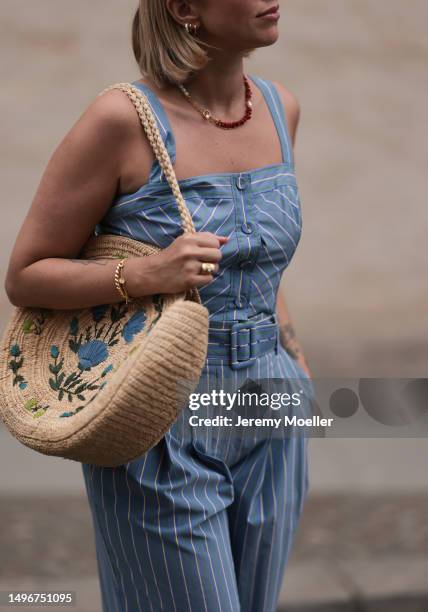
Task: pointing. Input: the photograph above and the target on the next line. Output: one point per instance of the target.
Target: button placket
(247, 246)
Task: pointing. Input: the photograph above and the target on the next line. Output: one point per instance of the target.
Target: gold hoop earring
(191, 28)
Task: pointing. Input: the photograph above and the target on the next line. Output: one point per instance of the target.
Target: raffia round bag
(103, 385)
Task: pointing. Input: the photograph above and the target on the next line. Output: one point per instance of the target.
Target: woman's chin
(268, 37)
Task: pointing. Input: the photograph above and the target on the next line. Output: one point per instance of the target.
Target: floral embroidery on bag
(134, 325)
(91, 347)
(36, 409)
(158, 303)
(35, 325)
(94, 350)
(90, 354)
(107, 331)
(15, 364)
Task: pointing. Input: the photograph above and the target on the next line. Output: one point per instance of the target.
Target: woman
(204, 522)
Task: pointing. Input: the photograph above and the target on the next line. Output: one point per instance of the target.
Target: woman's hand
(176, 268)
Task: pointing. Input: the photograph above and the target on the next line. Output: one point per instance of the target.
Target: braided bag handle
(150, 126)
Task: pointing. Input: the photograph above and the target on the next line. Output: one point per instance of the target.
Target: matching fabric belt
(239, 343)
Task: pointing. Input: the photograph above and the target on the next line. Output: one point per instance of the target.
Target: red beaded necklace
(206, 114)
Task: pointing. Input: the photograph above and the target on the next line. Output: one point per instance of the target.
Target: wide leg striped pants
(206, 519)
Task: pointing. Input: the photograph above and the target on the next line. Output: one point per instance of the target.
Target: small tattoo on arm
(85, 262)
(289, 340)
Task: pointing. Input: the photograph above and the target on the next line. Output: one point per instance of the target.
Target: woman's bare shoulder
(113, 111)
(109, 127)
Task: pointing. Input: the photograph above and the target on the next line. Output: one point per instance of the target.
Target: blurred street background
(357, 288)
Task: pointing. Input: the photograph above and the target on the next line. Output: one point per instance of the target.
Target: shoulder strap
(279, 108)
(164, 125)
(149, 123)
(276, 107)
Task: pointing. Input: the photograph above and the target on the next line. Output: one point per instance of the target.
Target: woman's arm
(287, 334)
(75, 192)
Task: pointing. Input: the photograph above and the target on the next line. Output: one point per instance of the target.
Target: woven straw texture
(102, 385)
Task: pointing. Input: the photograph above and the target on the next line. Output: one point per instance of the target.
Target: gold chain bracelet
(119, 281)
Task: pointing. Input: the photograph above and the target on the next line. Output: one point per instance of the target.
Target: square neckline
(159, 109)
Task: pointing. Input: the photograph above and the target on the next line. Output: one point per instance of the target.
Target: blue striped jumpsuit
(205, 520)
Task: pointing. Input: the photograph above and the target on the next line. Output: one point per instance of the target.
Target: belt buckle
(236, 332)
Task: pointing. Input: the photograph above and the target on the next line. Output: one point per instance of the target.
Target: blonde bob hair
(164, 50)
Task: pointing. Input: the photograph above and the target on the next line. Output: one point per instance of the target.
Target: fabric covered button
(241, 182)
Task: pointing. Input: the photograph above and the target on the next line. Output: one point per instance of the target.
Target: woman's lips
(272, 13)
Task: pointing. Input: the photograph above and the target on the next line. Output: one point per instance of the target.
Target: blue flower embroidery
(54, 351)
(92, 353)
(15, 365)
(134, 325)
(15, 351)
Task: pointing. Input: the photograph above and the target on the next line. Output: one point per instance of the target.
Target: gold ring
(207, 268)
